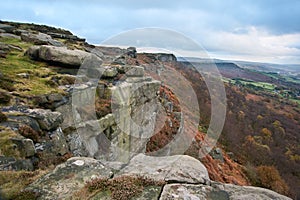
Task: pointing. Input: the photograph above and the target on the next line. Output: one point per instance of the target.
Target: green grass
(6, 145)
(13, 182)
(262, 85)
(16, 63)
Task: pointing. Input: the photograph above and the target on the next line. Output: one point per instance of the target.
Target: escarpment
(79, 121)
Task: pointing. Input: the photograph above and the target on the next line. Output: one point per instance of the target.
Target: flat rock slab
(178, 168)
(218, 191)
(62, 55)
(69, 177)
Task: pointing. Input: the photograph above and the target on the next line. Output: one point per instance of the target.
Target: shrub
(266, 132)
(269, 177)
(28, 132)
(123, 187)
(13, 184)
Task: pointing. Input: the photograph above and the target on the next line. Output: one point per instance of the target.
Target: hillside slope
(38, 67)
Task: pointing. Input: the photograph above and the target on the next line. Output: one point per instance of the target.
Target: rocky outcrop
(40, 39)
(179, 168)
(66, 36)
(163, 57)
(37, 119)
(69, 177)
(184, 176)
(6, 48)
(50, 101)
(7, 28)
(218, 191)
(60, 55)
(47, 119)
(127, 130)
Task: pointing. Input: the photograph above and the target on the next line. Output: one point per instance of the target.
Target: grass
(13, 182)
(6, 145)
(16, 62)
(262, 85)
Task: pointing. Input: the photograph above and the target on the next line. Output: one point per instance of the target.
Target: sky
(250, 30)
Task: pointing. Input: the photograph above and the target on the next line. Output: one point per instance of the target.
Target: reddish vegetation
(167, 132)
(227, 172)
(260, 130)
(253, 97)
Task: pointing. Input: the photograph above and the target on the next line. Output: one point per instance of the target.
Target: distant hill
(265, 67)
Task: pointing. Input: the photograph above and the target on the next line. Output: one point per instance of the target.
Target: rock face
(219, 192)
(69, 177)
(179, 168)
(125, 132)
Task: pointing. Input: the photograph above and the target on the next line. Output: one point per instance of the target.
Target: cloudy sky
(254, 30)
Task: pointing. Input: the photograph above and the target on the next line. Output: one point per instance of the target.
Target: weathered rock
(59, 143)
(109, 72)
(134, 71)
(33, 52)
(6, 48)
(76, 145)
(55, 97)
(25, 147)
(65, 36)
(40, 39)
(62, 55)
(50, 101)
(22, 119)
(47, 119)
(165, 57)
(218, 191)
(22, 165)
(20, 31)
(10, 163)
(91, 134)
(217, 154)
(178, 168)
(69, 177)
(9, 35)
(131, 52)
(7, 28)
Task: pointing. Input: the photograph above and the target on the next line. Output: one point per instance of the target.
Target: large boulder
(62, 55)
(218, 191)
(69, 177)
(178, 168)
